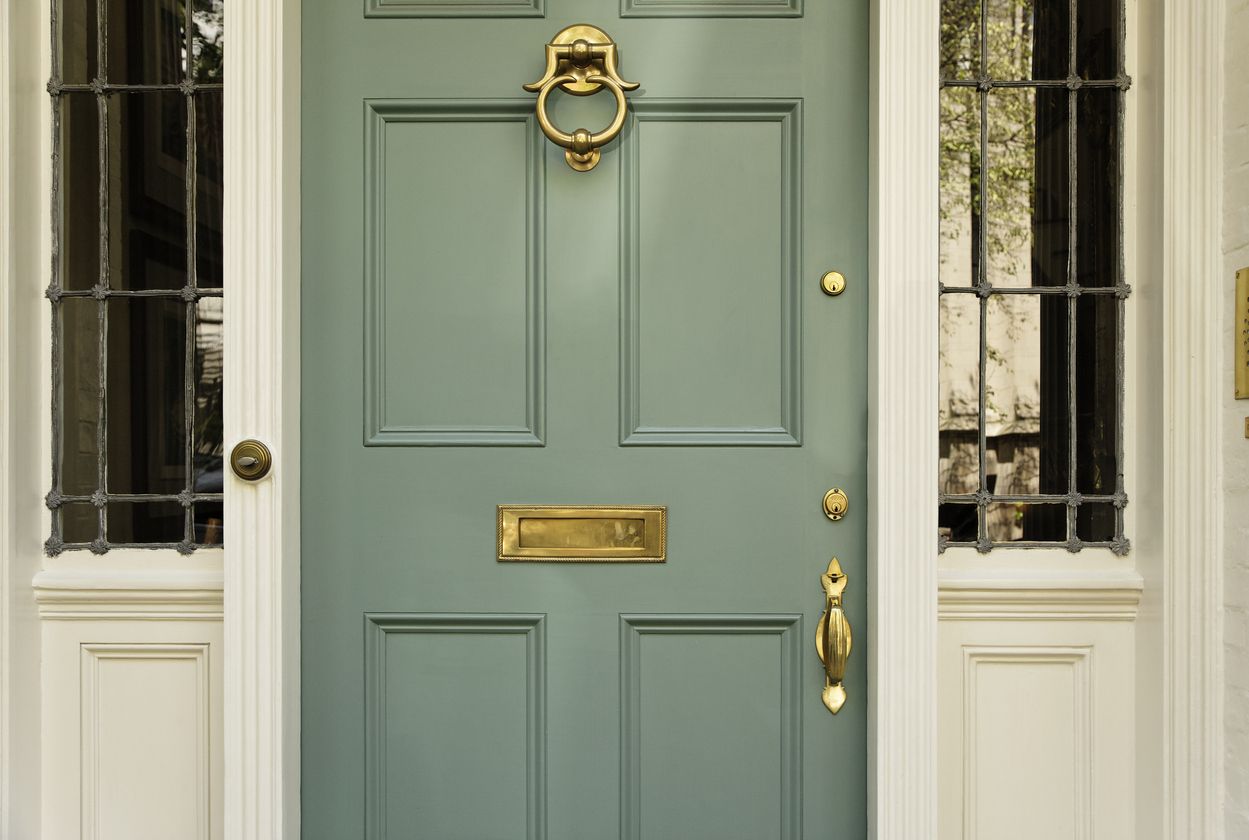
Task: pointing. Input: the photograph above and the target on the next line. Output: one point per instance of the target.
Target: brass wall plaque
(1241, 357)
(582, 534)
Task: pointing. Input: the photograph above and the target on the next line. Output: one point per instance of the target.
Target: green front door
(485, 326)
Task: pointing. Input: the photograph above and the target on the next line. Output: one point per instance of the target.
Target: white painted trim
(902, 412)
(24, 238)
(261, 650)
(152, 594)
(1192, 372)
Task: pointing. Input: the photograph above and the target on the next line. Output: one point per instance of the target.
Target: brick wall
(1236, 448)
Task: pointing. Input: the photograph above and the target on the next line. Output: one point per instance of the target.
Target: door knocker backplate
(581, 60)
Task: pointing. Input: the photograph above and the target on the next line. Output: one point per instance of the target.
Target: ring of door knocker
(832, 637)
(581, 60)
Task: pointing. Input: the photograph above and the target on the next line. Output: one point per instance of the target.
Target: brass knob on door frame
(251, 460)
(581, 60)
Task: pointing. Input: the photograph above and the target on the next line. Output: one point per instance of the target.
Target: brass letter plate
(582, 534)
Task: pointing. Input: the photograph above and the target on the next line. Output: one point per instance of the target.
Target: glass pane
(1097, 394)
(1026, 230)
(1015, 521)
(146, 376)
(208, 31)
(1013, 462)
(209, 436)
(79, 43)
(146, 522)
(958, 522)
(959, 339)
(80, 395)
(960, 185)
(1051, 202)
(1051, 56)
(209, 527)
(1028, 39)
(80, 523)
(1096, 522)
(146, 41)
(1012, 365)
(208, 189)
(1097, 38)
(147, 190)
(960, 39)
(79, 252)
(1097, 190)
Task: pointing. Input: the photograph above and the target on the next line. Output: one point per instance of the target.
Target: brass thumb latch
(581, 60)
(832, 637)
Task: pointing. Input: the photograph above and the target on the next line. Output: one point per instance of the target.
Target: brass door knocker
(581, 60)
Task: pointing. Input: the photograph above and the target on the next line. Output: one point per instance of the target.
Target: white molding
(1038, 599)
(1079, 659)
(261, 236)
(902, 465)
(91, 656)
(1192, 373)
(24, 238)
(157, 594)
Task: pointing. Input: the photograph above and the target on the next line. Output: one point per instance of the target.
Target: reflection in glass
(80, 396)
(146, 41)
(1030, 408)
(209, 180)
(147, 191)
(145, 522)
(79, 243)
(1098, 187)
(960, 39)
(146, 423)
(1097, 395)
(960, 186)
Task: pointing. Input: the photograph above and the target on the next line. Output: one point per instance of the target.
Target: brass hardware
(833, 283)
(251, 460)
(582, 534)
(1241, 357)
(836, 504)
(833, 638)
(581, 60)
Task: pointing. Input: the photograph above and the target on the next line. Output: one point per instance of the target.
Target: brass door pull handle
(581, 60)
(833, 638)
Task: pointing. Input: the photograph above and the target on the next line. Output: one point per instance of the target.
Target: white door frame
(262, 381)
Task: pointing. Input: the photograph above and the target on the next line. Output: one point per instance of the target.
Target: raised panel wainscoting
(132, 712)
(1037, 707)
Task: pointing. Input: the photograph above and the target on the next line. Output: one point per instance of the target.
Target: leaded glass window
(135, 291)
(1033, 292)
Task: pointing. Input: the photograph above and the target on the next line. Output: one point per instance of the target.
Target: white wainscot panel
(1036, 727)
(131, 729)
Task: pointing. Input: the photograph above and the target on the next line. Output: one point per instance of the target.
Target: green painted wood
(484, 326)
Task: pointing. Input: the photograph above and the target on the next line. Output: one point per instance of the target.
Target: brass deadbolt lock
(835, 504)
(251, 460)
(833, 283)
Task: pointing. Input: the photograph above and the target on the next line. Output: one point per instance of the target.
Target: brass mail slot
(582, 534)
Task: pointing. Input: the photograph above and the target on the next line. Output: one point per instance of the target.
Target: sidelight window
(1033, 292)
(135, 291)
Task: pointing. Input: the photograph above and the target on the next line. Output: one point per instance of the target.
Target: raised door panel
(455, 726)
(710, 735)
(711, 318)
(454, 274)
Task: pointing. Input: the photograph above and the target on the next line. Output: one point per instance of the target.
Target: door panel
(483, 326)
